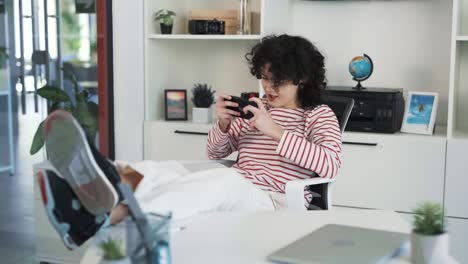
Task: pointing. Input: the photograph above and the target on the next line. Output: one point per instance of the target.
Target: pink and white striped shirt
(311, 143)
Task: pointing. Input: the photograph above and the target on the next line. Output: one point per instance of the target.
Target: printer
(375, 109)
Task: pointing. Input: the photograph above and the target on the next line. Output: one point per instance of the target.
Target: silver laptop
(342, 244)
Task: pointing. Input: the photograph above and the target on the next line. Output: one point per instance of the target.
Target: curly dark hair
(291, 58)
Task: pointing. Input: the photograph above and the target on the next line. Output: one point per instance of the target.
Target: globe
(361, 68)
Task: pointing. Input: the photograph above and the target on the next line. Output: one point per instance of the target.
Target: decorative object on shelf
(81, 107)
(429, 239)
(175, 102)
(361, 68)
(420, 113)
(206, 27)
(113, 252)
(243, 18)
(229, 17)
(203, 99)
(166, 20)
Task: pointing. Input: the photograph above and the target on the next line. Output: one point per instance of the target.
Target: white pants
(168, 186)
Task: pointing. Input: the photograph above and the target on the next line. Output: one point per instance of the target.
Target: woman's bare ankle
(118, 214)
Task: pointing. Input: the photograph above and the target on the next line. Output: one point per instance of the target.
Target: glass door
(57, 46)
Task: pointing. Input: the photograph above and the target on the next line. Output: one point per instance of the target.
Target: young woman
(291, 136)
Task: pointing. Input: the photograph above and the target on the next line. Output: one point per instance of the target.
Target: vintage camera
(206, 27)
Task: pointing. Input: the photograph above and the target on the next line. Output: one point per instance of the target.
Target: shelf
(210, 37)
(462, 38)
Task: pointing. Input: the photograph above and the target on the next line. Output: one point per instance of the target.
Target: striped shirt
(311, 142)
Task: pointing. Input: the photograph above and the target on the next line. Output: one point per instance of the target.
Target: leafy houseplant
(203, 98)
(113, 252)
(166, 20)
(429, 239)
(81, 107)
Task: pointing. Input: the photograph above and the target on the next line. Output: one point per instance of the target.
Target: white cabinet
(177, 141)
(399, 172)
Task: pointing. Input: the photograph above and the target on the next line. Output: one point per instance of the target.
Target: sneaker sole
(69, 153)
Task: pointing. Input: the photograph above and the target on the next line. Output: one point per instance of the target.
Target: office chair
(320, 188)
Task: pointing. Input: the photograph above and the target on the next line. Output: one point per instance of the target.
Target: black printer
(375, 109)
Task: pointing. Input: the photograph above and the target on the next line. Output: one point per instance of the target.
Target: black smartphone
(242, 103)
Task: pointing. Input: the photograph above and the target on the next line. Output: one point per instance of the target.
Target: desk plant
(84, 110)
(113, 252)
(429, 239)
(203, 98)
(166, 20)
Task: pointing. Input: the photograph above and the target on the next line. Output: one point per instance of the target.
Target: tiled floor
(16, 194)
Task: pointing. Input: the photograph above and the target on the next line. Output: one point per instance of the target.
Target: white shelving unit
(458, 86)
(180, 60)
(205, 37)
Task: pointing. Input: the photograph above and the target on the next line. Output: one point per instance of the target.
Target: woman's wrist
(224, 125)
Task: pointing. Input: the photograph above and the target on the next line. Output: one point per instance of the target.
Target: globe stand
(359, 87)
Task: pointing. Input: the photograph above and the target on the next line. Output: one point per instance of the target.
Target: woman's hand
(262, 120)
(224, 115)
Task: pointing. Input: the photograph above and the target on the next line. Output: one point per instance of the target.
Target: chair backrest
(342, 106)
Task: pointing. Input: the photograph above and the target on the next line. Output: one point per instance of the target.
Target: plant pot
(429, 249)
(166, 29)
(202, 115)
(120, 261)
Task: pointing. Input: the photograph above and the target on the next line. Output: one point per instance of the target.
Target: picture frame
(175, 104)
(420, 113)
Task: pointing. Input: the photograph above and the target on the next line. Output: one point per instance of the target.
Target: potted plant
(429, 239)
(113, 252)
(81, 107)
(166, 20)
(203, 98)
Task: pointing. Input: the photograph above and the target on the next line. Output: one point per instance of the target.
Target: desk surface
(250, 237)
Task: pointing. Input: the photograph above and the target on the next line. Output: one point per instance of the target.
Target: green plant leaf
(86, 118)
(38, 140)
(53, 93)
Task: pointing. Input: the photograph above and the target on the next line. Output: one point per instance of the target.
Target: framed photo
(175, 102)
(420, 113)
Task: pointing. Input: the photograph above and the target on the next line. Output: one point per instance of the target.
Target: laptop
(342, 244)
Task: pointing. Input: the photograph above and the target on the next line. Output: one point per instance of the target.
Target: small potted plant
(113, 252)
(166, 20)
(203, 98)
(429, 239)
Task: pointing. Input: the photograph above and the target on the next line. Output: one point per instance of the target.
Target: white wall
(128, 79)
(408, 41)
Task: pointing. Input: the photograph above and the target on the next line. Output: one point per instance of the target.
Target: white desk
(250, 237)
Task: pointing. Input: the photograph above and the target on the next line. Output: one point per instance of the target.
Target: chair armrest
(295, 191)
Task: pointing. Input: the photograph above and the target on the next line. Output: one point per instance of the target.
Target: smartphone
(242, 103)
